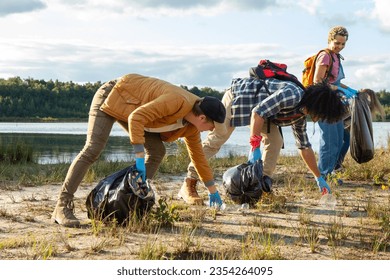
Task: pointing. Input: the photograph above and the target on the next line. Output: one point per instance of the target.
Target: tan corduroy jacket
(149, 102)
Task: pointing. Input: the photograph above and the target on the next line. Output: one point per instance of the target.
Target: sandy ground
(301, 229)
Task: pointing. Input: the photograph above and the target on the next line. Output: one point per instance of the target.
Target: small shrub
(165, 214)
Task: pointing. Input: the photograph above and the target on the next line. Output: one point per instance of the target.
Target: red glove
(255, 141)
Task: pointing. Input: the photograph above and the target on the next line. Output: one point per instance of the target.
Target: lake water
(61, 142)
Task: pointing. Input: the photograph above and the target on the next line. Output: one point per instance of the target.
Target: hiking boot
(63, 214)
(188, 192)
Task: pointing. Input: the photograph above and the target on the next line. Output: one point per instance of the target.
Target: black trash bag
(362, 140)
(245, 183)
(120, 196)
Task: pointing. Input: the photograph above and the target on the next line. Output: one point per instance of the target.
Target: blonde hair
(337, 30)
(374, 104)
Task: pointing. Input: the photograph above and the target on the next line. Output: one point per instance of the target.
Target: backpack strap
(255, 72)
(279, 127)
(330, 66)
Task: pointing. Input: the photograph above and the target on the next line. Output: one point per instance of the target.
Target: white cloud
(202, 43)
(158, 8)
(382, 13)
(311, 6)
(197, 65)
(374, 75)
(8, 7)
(212, 65)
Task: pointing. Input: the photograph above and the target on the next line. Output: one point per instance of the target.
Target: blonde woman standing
(332, 134)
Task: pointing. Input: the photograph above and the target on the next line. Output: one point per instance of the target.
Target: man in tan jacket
(152, 111)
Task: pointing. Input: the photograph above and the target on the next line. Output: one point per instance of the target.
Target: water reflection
(61, 142)
(54, 148)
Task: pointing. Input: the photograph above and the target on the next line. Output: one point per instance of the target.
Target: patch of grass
(178, 162)
(97, 226)
(35, 248)
(98, 244)
(14, 242)
(197, 217)
(43, 249)
(64, 238)
(263, 224)
(293, 178)
(187, 238)
(336, 231)
(16, 153)
(4, 213)
(153, 250)
(377, 169)
(260, 246)
(380, 212)
(174, 230)
(220, 164)
(272, 203)
(312, 237)
(305, 217)
(380, 242)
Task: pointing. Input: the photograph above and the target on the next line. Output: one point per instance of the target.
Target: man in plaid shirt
(248, 102)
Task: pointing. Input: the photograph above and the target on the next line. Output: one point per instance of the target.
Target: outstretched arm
(310, 160)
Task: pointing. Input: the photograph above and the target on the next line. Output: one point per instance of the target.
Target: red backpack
(267, 69)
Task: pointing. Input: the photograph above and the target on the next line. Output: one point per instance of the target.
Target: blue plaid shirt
(280, 106)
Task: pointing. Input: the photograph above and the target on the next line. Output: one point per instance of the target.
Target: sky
(203, 43)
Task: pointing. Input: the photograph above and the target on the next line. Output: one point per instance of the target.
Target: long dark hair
(323, 103)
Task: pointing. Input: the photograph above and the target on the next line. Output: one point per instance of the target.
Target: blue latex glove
(141, 168)
(254, 155)
(353, 92)
(348, 92)
(323, 186)
(215, 200)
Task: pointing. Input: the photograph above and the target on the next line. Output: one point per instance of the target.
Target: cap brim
(220, 128)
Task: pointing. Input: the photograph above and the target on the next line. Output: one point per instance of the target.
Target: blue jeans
(331, 141)
(344, 149)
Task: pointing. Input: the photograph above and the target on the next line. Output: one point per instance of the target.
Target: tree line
(31, 99)
(36, 100)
